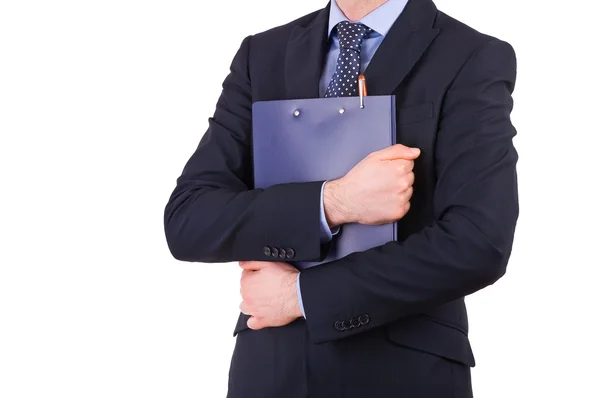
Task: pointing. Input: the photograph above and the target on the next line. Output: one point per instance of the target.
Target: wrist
(333, 203)
(294, 302)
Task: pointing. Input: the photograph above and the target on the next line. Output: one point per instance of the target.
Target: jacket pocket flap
(431, 337)
(242, 324)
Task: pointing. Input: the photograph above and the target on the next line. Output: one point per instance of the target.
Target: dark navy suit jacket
(376, 320)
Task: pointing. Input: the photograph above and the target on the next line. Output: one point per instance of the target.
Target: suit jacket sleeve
(475, 204)
(214, 215)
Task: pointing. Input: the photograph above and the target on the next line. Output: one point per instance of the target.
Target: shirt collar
(380, 20)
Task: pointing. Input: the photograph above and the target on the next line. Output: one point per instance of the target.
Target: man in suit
(390, 321)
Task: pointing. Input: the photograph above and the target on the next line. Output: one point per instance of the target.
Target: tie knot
(351, 35)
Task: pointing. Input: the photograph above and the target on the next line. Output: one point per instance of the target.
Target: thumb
(253, 265)
(398, 151)
(254, 323)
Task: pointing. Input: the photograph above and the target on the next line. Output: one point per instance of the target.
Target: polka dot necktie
(344, 82)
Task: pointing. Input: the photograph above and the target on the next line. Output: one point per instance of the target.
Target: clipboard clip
(362, 90)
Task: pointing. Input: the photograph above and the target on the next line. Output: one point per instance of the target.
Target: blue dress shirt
(380, 21)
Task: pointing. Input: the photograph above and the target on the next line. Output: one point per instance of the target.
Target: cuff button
(290, 253)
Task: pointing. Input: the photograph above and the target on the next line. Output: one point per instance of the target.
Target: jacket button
(267, 251)
(282, 253)
(338, 326)
(275, 252)
(290, 253)
(364, 319)
(346, 325)
(355, 323)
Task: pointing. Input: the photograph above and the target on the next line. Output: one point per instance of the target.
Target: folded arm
(475, 205)
(214, 215)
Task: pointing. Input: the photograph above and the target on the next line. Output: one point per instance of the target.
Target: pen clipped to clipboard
(362, 90)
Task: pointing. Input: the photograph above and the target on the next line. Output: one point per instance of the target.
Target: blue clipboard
(322, 139)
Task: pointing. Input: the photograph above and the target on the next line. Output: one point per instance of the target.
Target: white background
(102, 103)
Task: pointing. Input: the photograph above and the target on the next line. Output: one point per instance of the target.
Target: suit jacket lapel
(306, 56)
(402, 47)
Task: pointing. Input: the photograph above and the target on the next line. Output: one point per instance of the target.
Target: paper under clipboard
(322, 139)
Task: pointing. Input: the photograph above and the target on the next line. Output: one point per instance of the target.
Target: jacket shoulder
(286, 29)
(267, 49)
(458, 42)
(462, 39)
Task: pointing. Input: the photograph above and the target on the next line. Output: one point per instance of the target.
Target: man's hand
(269, 294)
(376, 191)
